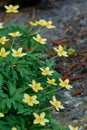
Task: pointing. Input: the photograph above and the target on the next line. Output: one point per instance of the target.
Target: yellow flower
(14, 128)
(46, 71)
(40, 118)
(56, 104)
(3, 52)
(73, 128)
(35, 86)
(40, 39)
(49, 25)
(65, 84)
(60, 51)
(33, 23)
(1, 114)
(51, 81)
(41, 22)
(3, 40)
(11, 8)
(18, 53)
(15, 34)
(30, 100)
(1, 25)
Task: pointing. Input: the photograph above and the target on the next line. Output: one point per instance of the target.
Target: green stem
(46, 108)
(30, 29)
(53, 91)
(46, 87)
(55, 56)
(33, 49)
(12, 44)
(32, 34)
(38, 30)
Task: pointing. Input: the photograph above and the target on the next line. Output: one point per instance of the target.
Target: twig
(60, 42)
(72, 66)
(77, 77)
(66, 76)
(77, 92)
(85, 58)
(33, 13)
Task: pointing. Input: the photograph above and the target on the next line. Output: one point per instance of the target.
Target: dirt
(70, 19)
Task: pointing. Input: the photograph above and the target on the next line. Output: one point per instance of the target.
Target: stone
(85, 99)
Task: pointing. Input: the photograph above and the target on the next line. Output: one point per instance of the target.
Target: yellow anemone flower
(73, 128)
(3, 40)
(39, 39)
(41, 22)
(33, 23)
(15, 34)
(60, 51)
(30, 100)
(35, 86)
(3, 52)
(11, 8)
(56, 104)
(14, 128)
(49, 25)
(65, 84)
(18, 53)
(46, 71)
(40, 119)
(1, 114)
(51, 81)
(1, 25)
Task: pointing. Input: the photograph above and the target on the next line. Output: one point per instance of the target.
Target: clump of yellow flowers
(28, 81)
(73, 128)
(60, 51)
(15, 34)
(30, 100)
(46, 71)
(3, 52)
(36, 86)
(14, 128)
(11, 8)
(1, 25)
(39, 39)
(40, 119)
(3, 40)
(56, 104)
(1, 115)
(42, 23)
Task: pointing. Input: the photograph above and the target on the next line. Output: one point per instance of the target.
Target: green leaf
(1, 80)
(11, 87)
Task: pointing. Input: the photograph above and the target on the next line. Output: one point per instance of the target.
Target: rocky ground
(70, 19)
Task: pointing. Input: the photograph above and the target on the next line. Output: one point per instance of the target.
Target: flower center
(40, 119)
(18, 53)
(30, 99)
(2, 40)
(61, 51)
(40, 39)
(46, 71)
(51, 81)
(56, 103)
(11, 9)
(48, 24)
(65, 83)
(36, 86)
(14, 34)
(2, 53)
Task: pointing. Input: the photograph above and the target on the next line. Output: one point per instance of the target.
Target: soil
(70, 19)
